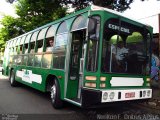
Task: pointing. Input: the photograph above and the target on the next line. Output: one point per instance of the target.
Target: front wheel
(55, 96)
(12, 79)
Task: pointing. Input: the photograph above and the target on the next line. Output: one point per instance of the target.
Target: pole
(159, 34)
(159, 47)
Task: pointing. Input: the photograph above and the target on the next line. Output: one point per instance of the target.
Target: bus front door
(76, 65)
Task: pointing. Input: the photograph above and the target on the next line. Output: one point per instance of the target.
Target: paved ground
(25, 103)
(155, 101)
(28, 103)
(2, 76)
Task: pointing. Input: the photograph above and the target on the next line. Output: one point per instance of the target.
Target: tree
(118, 5)
(32, 14)
(35, 13)
(9, 29)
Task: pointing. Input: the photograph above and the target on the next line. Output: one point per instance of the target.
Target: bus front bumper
(95, 97)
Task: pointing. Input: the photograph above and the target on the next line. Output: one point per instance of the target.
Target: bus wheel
(12, 79)
(55, 96)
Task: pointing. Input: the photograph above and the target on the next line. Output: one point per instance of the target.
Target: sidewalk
(2, 76)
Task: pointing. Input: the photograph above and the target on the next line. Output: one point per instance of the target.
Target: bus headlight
(144, 93)
(148, 93)
(105, 96)
(111, 95)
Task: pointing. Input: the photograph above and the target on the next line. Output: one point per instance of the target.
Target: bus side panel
(30, 77)
(37, 77)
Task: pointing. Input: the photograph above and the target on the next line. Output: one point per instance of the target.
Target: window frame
(98, 45)
(57, 51)
(120, 33)
(75, 21)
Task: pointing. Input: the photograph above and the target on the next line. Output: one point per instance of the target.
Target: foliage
(35, 13)
(11, 27)
(9, 30)
(118, 5)
(135, 37)
(32, 14)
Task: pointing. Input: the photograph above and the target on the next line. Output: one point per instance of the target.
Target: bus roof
(88, 9)
(96, 8)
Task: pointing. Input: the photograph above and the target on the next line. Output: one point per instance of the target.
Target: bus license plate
(130, 95)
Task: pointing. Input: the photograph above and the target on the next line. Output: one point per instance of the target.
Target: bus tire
(12, 80)
(55, 95)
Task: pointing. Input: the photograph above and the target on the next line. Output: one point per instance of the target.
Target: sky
(146, 12)
(144, 9)
(6, 8)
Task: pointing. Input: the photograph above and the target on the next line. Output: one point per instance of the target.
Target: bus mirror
(93, 37)
(92, 25)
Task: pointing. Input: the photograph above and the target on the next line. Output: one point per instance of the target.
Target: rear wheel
(55, 95)
(12, 79)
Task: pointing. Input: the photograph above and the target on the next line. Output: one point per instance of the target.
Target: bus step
(76, 100)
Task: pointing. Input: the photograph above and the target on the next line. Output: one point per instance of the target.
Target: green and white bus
(84, 66)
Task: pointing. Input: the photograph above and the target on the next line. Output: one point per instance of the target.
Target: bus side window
(47, 57)
(19, 57)
(49, 44)
(61, 39)
(25, 56)
(92, 56)
(50, 38)
(26, 48)
(93, 43)
(38, 57)
(15, 54)
(39, 46)
(37, 60)
(31, 55)
(15, 50)
(60, 51)
(11, 55)
(11, 51)
(20, 49)
(32, 46)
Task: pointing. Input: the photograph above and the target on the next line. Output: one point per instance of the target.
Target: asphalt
(154, 102)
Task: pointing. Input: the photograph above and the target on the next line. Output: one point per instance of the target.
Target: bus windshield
(125, 48)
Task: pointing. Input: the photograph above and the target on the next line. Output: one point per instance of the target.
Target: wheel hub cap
(53, 92)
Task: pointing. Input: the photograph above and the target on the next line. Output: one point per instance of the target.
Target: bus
(84, 65)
